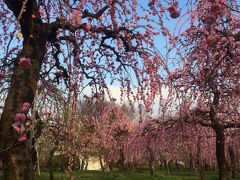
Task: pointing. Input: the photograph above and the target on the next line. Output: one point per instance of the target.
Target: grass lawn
(143, 175)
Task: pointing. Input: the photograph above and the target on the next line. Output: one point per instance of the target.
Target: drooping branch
(231, 125)
(97, 15)
(60, 24)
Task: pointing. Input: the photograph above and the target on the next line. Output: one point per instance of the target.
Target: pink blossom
(76, 18)
(19, 127)
(174, 12)
(88, 26)
(22, 138)
(40, 11)
(16, 126)
(25, 63)
(20, 117)
(25, 107)
(206, 69)
(216, 8)
(210, 39)
(210, 19)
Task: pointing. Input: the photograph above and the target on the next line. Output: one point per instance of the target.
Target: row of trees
(47, 46)
(110, 133)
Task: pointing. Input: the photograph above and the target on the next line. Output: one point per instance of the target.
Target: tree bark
(220, 154)
(17, 163)
(23, 84)
(233, 161)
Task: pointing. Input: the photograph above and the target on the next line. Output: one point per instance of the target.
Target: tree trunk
(199, 165)
(151, 162)
(79, 163)
(111, 166)
(1, 165)
(50, 163)
(220, 154)
(86, 166)
(233, 161)
(190, 161)
(151, 167)
(101, 163)
(38, 162)
(121, 160)
(17, 164)
(237, 159)
(82, 165)
(164, 161)
(166, 164)
(23, 84)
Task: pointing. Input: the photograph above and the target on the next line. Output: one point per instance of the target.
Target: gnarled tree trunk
(220, 154)
(17, 163)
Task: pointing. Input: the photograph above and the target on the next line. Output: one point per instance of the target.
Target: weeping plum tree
(207, 77)
(145, 143)
(68, 45)
(114, 128)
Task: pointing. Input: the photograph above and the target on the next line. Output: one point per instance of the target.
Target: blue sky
(160, 40)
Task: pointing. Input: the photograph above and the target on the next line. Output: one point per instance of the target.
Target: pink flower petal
(16, 126)
(25, 107)
(76, 18)
(20, 117)
(19, 127)
(22, 138)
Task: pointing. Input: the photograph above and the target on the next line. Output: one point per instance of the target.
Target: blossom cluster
(20, 119)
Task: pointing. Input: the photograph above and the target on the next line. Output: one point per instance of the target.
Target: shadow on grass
(142, 175)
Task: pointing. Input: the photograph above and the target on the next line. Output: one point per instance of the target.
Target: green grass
(143, 175)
